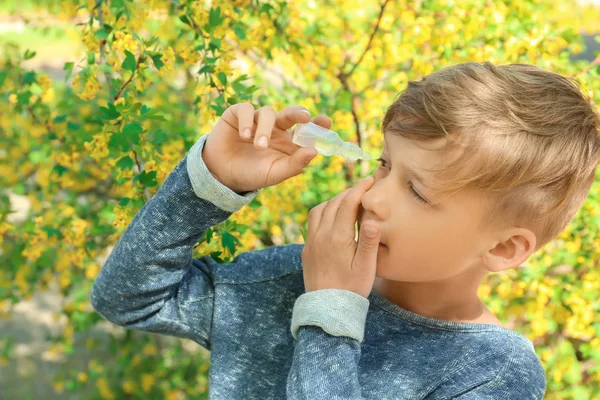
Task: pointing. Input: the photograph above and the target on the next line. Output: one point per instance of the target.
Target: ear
(515, 247)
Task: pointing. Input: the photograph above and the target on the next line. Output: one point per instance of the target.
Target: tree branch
(594, 62)
(370, 40)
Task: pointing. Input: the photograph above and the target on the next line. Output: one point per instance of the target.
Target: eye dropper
(326, 141)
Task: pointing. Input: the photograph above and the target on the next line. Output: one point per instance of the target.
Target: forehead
(415, 157)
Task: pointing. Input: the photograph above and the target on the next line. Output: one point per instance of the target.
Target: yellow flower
(129, 386)
(105, 392)
(147, 382)
(82, 377)
(149, 349)
(48, 96)
(58, 386)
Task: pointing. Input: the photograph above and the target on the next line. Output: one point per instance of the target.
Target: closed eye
(409, 184)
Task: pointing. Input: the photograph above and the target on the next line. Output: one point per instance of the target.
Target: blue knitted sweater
(271, 340)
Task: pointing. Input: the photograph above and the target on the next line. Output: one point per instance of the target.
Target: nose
(372, 202)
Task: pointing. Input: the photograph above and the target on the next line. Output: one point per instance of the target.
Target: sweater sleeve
(329, 327)
(150, 281)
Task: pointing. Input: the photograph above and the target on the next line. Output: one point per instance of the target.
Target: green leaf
(135, 35)
(149, 113)
(150, 42)
(23, 98)
(159, 136)
(29, 54)
(208, 235)
(129, 62)
(118, 141)
(109, 113)
(206, 68)
(255, 203)
(52, 232)
(238, 87)
(229, 241)
(186, 20)
(156, 59)
(69, 68)
(91, 58)
(239, 32)
(35, 89)
(214, 44)
(215, 256)
(125, 163)
(215, 18)
(132, 131)
(29, 77)
(148, 179)
(60, 119)
(124, 201)
(3, 75)
(222, 77)
(101, 34)
(36, 157)
(219, 105)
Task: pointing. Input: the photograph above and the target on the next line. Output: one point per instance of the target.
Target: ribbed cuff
(207, 187)
(336, 311)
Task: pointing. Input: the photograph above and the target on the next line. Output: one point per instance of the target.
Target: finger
(290, 116)
(347, 212)
(365, 259)
(314, 219)
(331, 207)
(244, 112)
(322, 121)
(266, 120)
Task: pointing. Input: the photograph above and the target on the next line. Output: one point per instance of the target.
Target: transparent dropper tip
(353, 152)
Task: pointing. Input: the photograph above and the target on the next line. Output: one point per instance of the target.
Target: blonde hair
(529, 138)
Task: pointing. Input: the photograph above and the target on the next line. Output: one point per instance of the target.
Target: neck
(452, 299)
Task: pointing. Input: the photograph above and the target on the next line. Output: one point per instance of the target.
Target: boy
(482, 166)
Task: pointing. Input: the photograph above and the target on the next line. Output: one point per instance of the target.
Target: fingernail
(246, 133)
(306, 112)
(262, 142)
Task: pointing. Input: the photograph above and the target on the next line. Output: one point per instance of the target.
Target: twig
(370, 40)
(137, 64)
(594, 62)
(140, 166)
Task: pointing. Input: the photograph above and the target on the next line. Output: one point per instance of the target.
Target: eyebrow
(419, 177)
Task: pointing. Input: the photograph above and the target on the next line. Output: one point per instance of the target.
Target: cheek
(421, 252)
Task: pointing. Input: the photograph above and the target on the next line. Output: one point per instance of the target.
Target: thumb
(368, 244)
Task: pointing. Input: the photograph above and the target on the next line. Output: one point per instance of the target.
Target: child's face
(422, 243)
